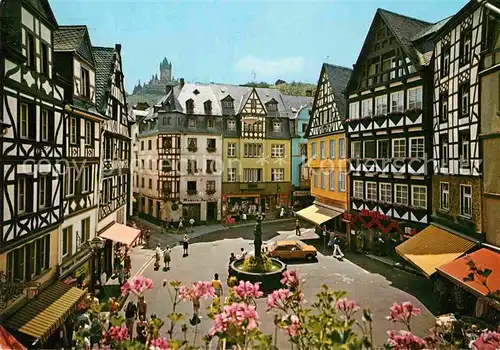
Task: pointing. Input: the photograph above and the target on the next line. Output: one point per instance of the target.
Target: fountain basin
(269, 280)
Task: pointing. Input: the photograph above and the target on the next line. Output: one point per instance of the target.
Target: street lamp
(97, 243)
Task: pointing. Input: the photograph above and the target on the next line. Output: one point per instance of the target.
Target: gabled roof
(44, 9)
(338, 77)
(104, 57)
(74, 39)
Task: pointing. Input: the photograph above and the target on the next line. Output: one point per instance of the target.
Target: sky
(235, 42)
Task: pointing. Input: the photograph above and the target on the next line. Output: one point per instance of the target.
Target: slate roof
(423, 43)
(287, 105)
(43, 7)
(74, 39)
(338, 77)
(104, 69)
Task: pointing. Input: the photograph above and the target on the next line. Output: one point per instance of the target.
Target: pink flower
(293, 329)
(347, 307)
(278, 298)
(117, 334)
(237, 316)
(290, 278)
(403, 312)
(489, 337)
(126, 287)
(198, 290)
(160, 344)
(404, 340)
(137, 285)
(246, 289)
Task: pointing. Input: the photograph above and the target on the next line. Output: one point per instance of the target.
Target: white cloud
(270, 68)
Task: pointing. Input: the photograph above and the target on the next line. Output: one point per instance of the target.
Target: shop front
(301, 199)
(235, 205)
(326, 219)
(77, 270)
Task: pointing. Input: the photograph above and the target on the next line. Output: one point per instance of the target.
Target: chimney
(181, 82)
(168, 88)
(309, 93)
(118, 47)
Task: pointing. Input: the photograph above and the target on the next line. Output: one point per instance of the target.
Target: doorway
(212, 211)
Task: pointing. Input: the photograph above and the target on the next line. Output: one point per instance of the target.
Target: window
(192, 144)
(419, 197)
(30, 50)
(354, 110)
(417, 147)
(231, 175)
(252, 175)
(67, 236)
(415, 98)
(231, 125)
(150, 185)
(272, 107)
(210, 186)
(303, 127)
(465, 46)
(331, 180)
(397, 101)
(313, 150)
(444, 154)
(192, 123)
(315, 178)
(383, 149)
(85, 235)
(45, 125)
(44, 58)
(44, 191)
(70, 182)
(381, 105)
(277, 175)
(303, 149)
(189, 106)
(341, 181)
(88, 133)
(192, 166)
(142, 145)
(399, 148)
(342, 148)
(167, 142)
(445, 196)
(150, 162)
(142, 183)
(277, 151)
(358, 189)
(21, 195)
(356, 149)
(386, 192)
(370, 150)
(231, 149)
(72, 130)
(322, 180)
(114, 111)
(227, 104)
(466, 201)
(443, 107)
(464, 151)
(322, 150)
(207, 106)
(371, 191)
(277, 126)
(210, 166)
(252, 150)
(463, 100)
(401, 194)
(142, 164)
(445, 60)
(211, 123)
(85, 83)
(331, 149)
(87, 179)
(366, 108)
(23, 120)
(150, 144)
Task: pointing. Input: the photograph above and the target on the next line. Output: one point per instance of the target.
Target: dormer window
(227, 104)
(277, 126)
(208, 107)
(189, 106)
(272, 107)
(85, 83)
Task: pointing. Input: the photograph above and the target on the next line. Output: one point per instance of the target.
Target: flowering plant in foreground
(137, 285)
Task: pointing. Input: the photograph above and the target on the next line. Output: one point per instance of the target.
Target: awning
(42, 316)
(7, 341)
(239, 195)
(484, 258)
(317, 214)
(121, 233)
(433, 247)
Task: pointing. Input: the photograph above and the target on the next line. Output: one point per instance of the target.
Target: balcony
(210, 192)
(192, 192)
(252, 186)
(211, 149)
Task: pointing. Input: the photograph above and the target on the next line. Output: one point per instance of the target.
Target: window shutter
(32, 121)
(51, 126)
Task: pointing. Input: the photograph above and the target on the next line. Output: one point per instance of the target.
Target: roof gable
(252, 104)
(43, 8)
(74, 39)
(104, 58)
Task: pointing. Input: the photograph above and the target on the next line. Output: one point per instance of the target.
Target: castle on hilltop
(155, 84)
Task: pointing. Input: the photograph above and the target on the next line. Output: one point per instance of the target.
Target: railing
(192, 192)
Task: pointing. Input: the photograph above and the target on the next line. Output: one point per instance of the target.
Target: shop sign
(374, 214)
(82, 270)
(301, 193)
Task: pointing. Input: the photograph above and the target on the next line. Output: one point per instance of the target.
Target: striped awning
(317, 214)
(433, 247)
(43, 315)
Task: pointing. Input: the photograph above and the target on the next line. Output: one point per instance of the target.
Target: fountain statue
(257, 232)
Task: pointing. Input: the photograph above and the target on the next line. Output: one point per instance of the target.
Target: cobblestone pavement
(375, 285)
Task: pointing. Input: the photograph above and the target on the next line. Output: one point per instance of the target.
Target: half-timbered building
(31, 147)
(327, 151)
(75, 64)
(389, 115)
(456, 121)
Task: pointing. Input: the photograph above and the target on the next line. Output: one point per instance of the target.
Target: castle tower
(165, 71)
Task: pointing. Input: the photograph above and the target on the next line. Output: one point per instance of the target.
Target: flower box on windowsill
(395, 114)
(192, 192)
(413, 111)
(211, 149)
(210, 192)
(192, 148)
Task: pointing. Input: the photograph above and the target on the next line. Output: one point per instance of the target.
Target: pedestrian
(244, 217)
(148, 235)
(232, 258)
(142, 307)
(121, 275)
(217, 285)
(141, 329)
(185, 245)
(130, 315)
(117, 262)
(282, 213)
(166, 258)
(181, 225)
(172, 223)
(243, 253)
(196, 309)
(157, 257)
(337, 252)
(191, 222)
(297, 227)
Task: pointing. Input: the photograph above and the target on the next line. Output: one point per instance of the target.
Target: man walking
(217, 285)
(297, 227)
(337, 252)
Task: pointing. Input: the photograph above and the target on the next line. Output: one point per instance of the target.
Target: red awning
(7, 341)
(121, 233)
(483, 259)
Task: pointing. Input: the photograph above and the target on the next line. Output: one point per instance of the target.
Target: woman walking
(185, 245)
(131, 315)
(142, 307)
(166, 258)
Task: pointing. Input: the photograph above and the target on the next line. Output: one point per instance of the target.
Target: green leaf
(175, 317)
(485, 272)
(116, 321)
(469, 278)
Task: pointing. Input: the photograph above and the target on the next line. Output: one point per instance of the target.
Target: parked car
(287, 250)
